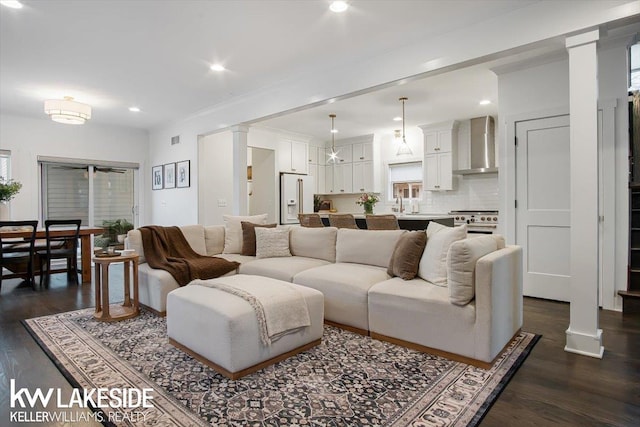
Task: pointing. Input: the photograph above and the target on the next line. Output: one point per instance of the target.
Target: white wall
(28, 138)
(542, 90)
(216, 180)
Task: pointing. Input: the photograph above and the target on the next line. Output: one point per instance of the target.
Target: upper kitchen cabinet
(362, 152)
(315, 153)
(293, 156)
(440, 143)
(345, 154)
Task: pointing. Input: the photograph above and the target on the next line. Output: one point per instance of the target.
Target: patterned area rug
(349, 380)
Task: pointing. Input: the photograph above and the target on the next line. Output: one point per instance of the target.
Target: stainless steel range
(478, 221)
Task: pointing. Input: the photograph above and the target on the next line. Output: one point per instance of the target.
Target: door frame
(606, 158)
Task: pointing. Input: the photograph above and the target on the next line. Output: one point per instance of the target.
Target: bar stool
(382, 222)
(310, 220)
(342, 221)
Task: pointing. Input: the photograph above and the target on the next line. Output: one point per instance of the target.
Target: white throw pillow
(461, 266)
(433, 264)
(233, 231)
(272, 242)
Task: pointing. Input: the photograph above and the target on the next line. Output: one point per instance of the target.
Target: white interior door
(543, 206)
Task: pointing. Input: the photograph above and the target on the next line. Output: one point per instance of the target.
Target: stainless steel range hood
(482, 148)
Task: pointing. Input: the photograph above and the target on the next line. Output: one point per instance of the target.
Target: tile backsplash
(471, 192)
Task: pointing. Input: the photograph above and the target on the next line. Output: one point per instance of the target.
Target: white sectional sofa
(349, 267)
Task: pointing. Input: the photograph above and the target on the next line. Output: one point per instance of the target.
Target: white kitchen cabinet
(362, 152)
(440, 146)
(438, 141)
(328, 179)
(293, 156)
(363, 177)
(438, 173)
(314, 154)
(345, 154)
(318, 174)
(343, 178)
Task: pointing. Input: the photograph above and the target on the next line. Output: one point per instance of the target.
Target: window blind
(405, 172)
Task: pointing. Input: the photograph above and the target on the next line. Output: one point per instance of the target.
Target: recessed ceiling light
(13, 4)
(334, 130)
(338, 6)
(134, 109)
(217, 67)
(397, 119)
(485, 102)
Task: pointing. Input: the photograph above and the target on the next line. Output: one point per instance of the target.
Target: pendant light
(333, 156)
(403, 148)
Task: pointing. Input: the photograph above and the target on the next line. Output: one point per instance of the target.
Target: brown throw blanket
(166, 248)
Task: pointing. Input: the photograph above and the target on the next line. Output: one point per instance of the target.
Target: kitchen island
(418, 221)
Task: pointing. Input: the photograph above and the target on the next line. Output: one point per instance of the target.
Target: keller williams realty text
(96, 398)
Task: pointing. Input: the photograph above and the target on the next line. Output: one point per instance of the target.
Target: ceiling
(156, 55)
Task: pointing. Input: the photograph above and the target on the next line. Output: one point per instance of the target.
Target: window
(634, 66)
(5, 156)
(91, 193)
(405, 180)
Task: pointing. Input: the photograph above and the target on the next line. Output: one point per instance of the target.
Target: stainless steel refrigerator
(296, 196)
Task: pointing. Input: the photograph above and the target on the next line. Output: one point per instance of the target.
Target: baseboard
(246, 371)
(156, 312)
(447, 355)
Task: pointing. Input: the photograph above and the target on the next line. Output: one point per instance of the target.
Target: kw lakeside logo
(133, 401)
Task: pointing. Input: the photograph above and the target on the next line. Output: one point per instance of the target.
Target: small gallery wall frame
(169, 175)
(183, 174)
(157, 178)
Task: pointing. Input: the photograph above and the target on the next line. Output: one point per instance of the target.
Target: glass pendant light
(333, 156)
(403, 148)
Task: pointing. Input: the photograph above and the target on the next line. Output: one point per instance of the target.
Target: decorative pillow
(461, 266)
(370, 247)
(406, 256)
(433, 264)
(233, 231)
(272, 242)
(249, 237)
(311, 242)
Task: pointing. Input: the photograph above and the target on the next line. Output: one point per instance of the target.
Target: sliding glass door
(96, 194)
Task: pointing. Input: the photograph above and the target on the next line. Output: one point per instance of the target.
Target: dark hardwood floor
(552, 388)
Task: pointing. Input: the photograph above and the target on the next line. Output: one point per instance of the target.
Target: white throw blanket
(279, 307)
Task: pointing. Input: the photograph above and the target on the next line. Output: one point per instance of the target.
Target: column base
(585, 344)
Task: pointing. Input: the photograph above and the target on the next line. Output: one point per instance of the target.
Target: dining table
(86, 249)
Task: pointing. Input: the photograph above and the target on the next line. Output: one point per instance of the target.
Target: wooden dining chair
(342, 221)
(382, 222)
(310, 220)
(17, 254)
(60, 246)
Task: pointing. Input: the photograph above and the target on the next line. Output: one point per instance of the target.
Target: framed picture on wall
(169, 175)
(183, 174)
(156, 178)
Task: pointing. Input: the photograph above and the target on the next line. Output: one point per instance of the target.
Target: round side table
(129, 307)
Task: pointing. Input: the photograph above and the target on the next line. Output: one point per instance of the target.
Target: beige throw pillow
(233, 231)
(272, 242)
(406, 256)
(461, 266)
(433, 264)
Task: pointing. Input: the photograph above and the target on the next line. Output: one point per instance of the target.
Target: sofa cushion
(371, 247)
(433, 264)
(194, 234)
(237, 257)
(461, 266)
(233, 231)
(406, 256)
(214, 239)
(317, 243)
(420, 312)
(345, 287)
(272, 242)
(282, 268)
(249, 236)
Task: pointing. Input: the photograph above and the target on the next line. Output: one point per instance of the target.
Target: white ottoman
(221, 329)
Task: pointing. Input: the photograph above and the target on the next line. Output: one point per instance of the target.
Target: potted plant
(117, 229)
(8, 189)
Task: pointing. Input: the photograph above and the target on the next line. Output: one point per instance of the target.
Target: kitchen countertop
(401, 217)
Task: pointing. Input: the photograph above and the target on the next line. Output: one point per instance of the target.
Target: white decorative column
(240, 169)
(583, 335)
